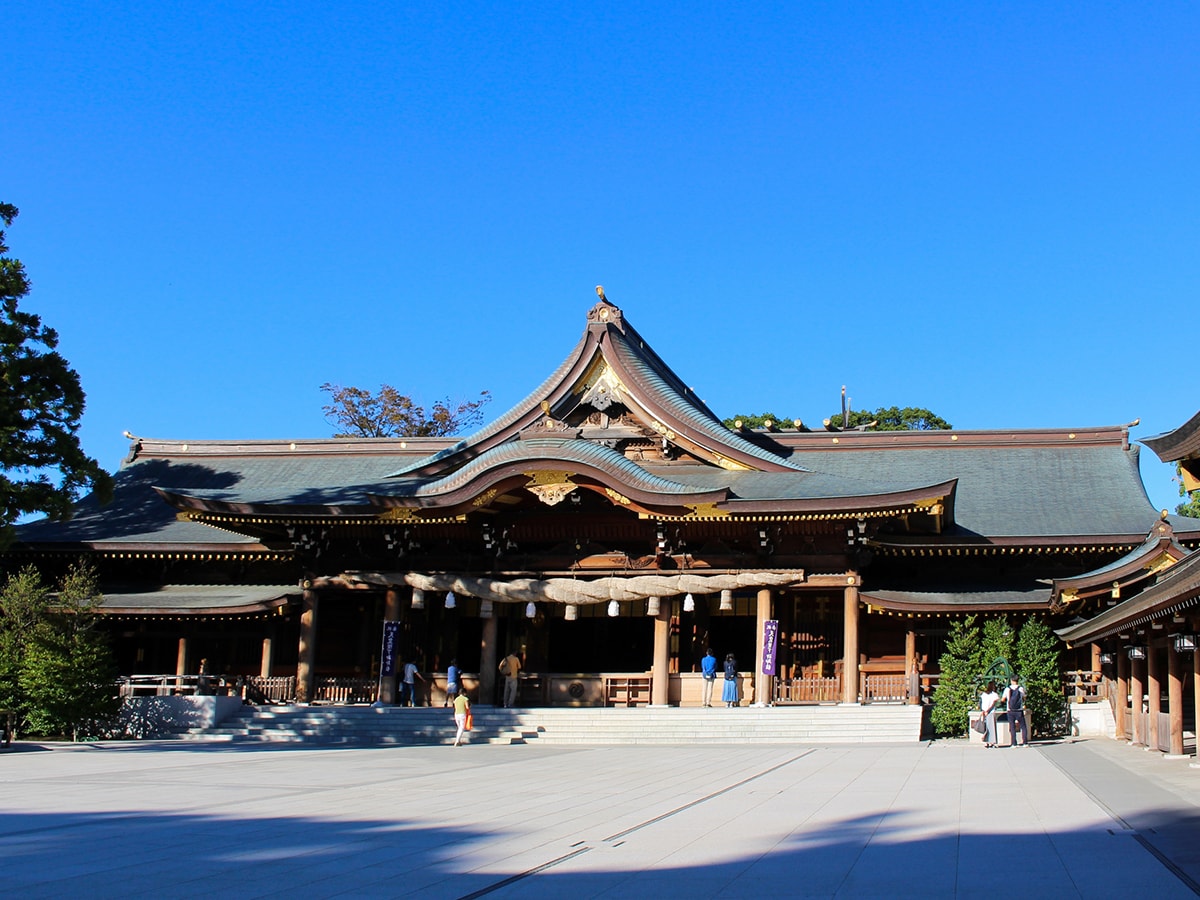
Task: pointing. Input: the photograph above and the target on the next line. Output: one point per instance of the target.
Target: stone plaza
(1086, 818)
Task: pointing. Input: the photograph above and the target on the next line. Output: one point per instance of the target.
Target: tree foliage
(43, 468)
(1191, 499)
(893, 418)
(56, 670)
(1037, 666)
(758, 421)
(973, 648)
(388, 413)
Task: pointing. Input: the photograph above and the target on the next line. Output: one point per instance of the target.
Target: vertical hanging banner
(770, 645)
(391, 641)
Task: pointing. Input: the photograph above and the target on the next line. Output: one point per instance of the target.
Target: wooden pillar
(762, 682)
(1196, 696)
(910, 668)
(307, 654)
(488, 662)
(1154, 692)
(1175, 699)
(660, 676)
(1121, 701)
(1137, 690)
(1095, 662)
(392, 610)
(181, 657)
(850, 641)
(268, 655)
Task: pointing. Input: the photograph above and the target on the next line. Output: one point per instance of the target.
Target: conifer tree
(1037, 667)
(955, 695)
(43, 468)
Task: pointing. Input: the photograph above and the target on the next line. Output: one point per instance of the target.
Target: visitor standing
(1014, 700)
(987, 703)
(452, 676)
(411, 677)
(510, 666)
(462, 709)
(730, 692)
(708, 669)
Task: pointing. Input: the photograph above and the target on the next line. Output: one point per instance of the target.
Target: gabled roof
(613, 363)
(1156, 554)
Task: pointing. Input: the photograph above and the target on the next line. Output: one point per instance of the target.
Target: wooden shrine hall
(608, 529)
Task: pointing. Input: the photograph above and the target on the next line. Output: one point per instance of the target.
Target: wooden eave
(1177, 591)
(401, 448)
(1181, 444)
(151, 550)
(1008, 439)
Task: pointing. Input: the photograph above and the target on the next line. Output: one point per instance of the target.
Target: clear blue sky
(990, 210)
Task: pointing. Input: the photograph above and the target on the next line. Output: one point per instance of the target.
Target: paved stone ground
(942, 819)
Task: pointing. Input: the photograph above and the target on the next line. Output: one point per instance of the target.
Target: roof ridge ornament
(605, 312)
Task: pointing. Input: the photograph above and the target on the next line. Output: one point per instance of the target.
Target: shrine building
(609, 529)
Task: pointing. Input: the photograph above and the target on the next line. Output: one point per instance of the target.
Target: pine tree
(43, 468)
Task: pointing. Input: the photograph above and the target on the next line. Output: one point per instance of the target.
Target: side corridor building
(609, 529)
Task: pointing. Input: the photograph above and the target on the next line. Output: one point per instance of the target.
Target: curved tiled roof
(555, 452)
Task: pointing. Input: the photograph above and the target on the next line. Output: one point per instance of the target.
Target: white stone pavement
(942, 819)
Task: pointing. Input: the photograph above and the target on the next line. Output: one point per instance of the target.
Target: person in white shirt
(987, 702)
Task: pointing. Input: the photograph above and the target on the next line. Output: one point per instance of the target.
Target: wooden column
(1154, 692)
(392, 611)
(762, 683)
(1121, 701)
(1175, 699)
(268, 655)
(307, 654)
(910, 668)
(1196, 695)
(850, 641)
(181, 657)
(488, 661)
(660, 676)
(1095, 662)
(1137, 690)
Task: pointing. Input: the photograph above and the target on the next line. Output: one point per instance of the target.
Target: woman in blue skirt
(730, 692)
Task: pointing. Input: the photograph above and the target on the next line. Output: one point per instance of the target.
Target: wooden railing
(1082, 686)
(808, 690)
(344, 690)
(271, 689)
(890, 688)
(165, 685)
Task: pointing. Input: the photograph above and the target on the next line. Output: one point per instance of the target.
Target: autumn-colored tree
(43, 468)
(388, 413)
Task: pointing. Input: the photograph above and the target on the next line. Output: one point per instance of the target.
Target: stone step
(364, 725)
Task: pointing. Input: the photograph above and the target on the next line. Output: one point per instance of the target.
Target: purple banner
(770, 645)
(391, 641)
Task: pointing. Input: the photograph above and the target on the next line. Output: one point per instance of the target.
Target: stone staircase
(384, 726)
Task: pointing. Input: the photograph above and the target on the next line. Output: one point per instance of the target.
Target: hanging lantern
(530, 610)
(689, 603)
(614, 608)
(572, 612)
(726, 601)
(652, 606)
(485, 609)
(450, 601)
(418, 599)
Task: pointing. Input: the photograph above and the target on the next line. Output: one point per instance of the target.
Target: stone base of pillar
(846, 703)
(1177, 756)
